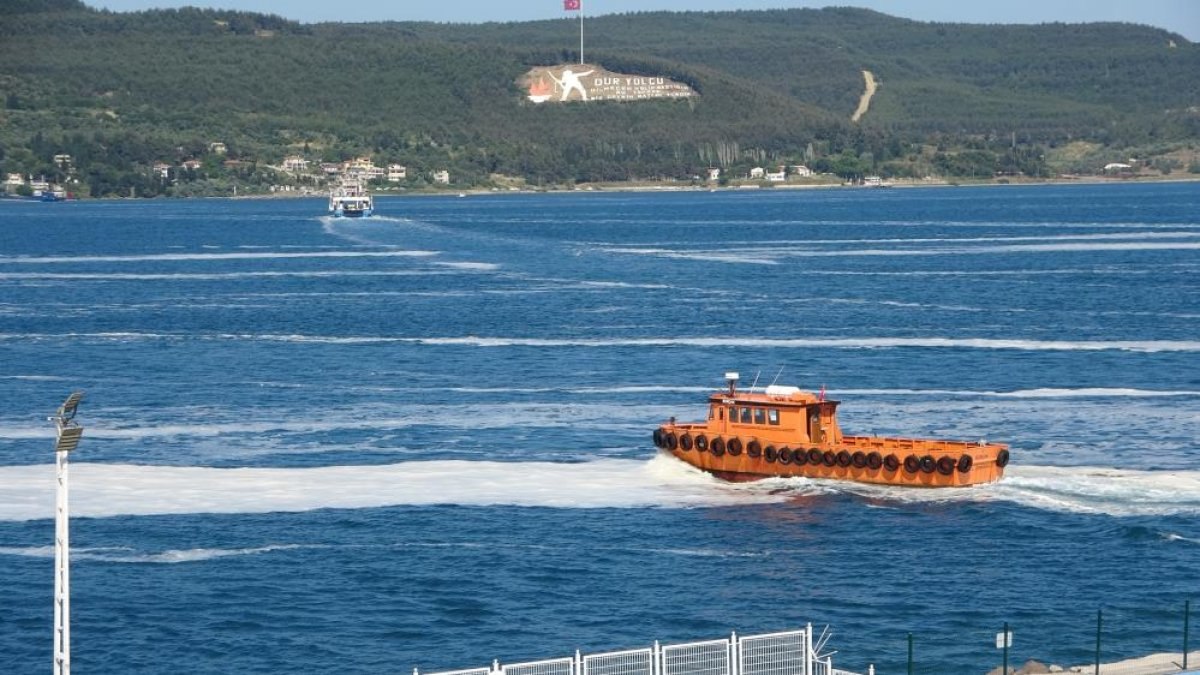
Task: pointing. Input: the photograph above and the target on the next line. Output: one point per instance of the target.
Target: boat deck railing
(785, 653)
(913, 444)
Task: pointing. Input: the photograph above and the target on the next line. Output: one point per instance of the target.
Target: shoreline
(671, 187)
(591, 188)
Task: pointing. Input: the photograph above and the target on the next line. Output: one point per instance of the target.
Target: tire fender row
(873, 460)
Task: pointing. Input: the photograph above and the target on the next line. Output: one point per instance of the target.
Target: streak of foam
(758, 243)
(1046, 393)
(838, 343)
(206, 257)
(794, 343)
(216, 276)
(772, 256)
(479, 266)
(125, 555)
(1082, 490)
(106, 490)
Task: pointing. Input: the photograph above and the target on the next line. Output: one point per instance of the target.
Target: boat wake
(1081, 489)
(107, 490)
(374, 231)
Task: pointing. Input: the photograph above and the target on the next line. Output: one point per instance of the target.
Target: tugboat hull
(784, 432)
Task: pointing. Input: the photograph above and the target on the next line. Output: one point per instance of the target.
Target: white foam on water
(1093, 236)
(218, 276)
(1046, 392)
(1148, 346)
(838, 343)
(35, 378)
(208, 257)
(772, 255)
(479, 266)
(169, 557)
(106, 490)
(1082, 490)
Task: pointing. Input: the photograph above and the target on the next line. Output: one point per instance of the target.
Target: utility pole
(68, 434)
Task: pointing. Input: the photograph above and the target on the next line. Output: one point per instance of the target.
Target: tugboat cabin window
(745, 416)
(773, 416)
(760, 416)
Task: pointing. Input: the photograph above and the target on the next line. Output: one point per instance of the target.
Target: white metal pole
(735, 659)
(808, 650)
(68, 435)
(581, 32)
(62, 569)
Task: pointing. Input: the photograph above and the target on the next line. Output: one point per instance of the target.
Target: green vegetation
(120, 92)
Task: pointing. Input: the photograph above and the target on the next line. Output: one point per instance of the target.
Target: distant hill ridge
(774, 85)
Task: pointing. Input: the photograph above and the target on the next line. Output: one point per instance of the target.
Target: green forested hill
(121, 91)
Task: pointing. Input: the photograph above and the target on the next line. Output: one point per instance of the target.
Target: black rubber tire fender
(734, 446)
(945, 465)
(912, 464)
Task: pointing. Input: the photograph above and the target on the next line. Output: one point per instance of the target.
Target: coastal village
(295, 174)
(298, 175)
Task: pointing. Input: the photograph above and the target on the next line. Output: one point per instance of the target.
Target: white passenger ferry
(351, 200)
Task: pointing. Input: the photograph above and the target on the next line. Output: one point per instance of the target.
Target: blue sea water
(423, 439)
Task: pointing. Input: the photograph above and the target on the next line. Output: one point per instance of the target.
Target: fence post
(1099, 623)
(910, 660)
(1187, 607)
(808, 650)
(1004, 637)
(656, 665)
(734, 662)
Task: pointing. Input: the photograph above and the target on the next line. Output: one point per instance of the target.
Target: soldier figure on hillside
(569, 81)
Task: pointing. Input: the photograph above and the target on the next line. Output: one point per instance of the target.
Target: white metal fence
(786, 653)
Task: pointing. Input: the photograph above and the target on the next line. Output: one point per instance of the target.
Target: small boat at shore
(783, 432)
(351, 200)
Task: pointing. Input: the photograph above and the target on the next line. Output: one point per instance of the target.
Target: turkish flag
(572, 5)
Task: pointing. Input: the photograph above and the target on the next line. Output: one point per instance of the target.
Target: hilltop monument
(572, 82)
(585, 82)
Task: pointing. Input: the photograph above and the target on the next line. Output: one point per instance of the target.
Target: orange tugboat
(784, 431)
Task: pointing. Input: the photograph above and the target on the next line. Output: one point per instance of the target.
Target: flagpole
(581, 32)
